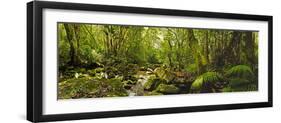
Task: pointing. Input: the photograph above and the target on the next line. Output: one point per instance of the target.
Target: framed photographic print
(94, 61)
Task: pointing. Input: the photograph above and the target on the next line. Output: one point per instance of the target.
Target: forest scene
(98, 60)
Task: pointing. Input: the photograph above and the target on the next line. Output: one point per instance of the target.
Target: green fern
(238, 85)
(236, 82)
(206, 77)
(241, 78)
(241, 71)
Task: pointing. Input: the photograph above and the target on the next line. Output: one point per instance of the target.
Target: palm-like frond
(237, 82)
(241, 78)
(240, 84)
(206, 77)
(241, 71)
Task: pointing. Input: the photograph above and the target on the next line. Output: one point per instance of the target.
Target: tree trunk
(71, 33)
(249, 47)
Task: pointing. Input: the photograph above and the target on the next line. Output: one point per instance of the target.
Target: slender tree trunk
(250, 44)
(69, 35)
(170, 54)
(73, 36)
(207, 46)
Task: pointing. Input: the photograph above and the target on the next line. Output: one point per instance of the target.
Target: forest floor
(101, 82)
(132, 80)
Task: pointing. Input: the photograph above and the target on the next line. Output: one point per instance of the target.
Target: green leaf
(167, 89)
(211, 77)
(241, 71)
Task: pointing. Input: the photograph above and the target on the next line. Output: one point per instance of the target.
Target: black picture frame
(35, 69)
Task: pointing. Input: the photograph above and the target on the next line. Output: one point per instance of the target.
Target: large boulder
(153, 93)
(164, 74)
(167, 89)
(152, 83)
(111, 72)
(91, 88)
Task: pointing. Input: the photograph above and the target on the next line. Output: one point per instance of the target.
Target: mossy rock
(142, 68)
(128, 71)
(91, 88)
(152, 83)
(130, 77)
(133, 66)
(164, 74)
(167, 89)
(128, 84)
(111, 71)
(82, 70)
(79, 70)
(152, 93)
(91, 72)
(76, 87)
(99, 70)
(239, 84)
(69, 74)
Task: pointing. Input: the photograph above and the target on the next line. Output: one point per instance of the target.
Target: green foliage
(167, 89)
(117, 60)
(192, 68)
(63, 53)
(198, 83)
(152, 58)
(91, 72)
(208, 77)
(152, 83)
(89, 56)
(239, 85)
(128, 84)
(242, 71)
(241, 79)
(91, 87)
(152, 93)
(164, 74)
(99, 70)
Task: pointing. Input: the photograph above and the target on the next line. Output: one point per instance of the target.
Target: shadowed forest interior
(117, 60)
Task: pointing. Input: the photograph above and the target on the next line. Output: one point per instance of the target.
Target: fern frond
(211, 77)
(240, 71)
